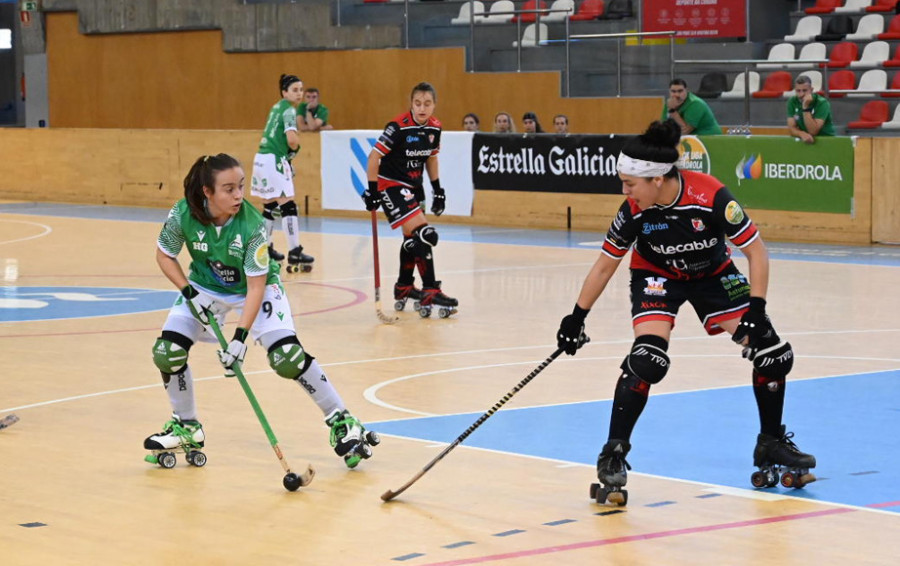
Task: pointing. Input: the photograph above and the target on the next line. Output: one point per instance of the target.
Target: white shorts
(274, 314)
(271, 178)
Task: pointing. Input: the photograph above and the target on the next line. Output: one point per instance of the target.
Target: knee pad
(415, 247)
(288, 359)
(426, 234)
(775, 362)
(648, 360)
(269, 210)
(170, 352)
(288, 209)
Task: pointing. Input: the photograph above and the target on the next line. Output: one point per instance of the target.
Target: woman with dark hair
(531, 124)
(676, 223)
(470, 122)
(273, 176)
(230, 269)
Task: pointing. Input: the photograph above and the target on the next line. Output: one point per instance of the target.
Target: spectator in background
(313, 116)
(809, 114)
(561, 124)
(530, 124)
(691, 112)
(503, 124)
(471, 123)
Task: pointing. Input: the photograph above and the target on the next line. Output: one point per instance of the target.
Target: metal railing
(618, 37)
(537, 24)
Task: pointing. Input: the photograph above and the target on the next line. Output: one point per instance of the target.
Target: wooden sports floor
(82, 301)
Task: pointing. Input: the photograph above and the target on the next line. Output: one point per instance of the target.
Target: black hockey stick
(388, 495)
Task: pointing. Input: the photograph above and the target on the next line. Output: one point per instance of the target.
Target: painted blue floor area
(708, 436)
(857, 255)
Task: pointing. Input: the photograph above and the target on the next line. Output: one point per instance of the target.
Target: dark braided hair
(203, 174)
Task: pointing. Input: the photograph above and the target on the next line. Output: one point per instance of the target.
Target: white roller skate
(612, 471)
(349, 437)
(779, 455)
(177, 435)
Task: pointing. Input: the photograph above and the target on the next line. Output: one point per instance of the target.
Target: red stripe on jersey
(406, 217)
(381, 148)
(746, 236)
(612, 250)
(712, 325)
(699, 188)
(648, 317)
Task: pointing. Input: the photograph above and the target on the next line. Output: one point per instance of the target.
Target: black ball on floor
(291, 482)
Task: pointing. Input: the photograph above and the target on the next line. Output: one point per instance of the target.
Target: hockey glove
(235, 352)
(202, 305)
(372, 196)
(439, 198)
(755, 330)
(571, 335)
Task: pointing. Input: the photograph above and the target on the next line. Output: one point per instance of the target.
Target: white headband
(640, 168)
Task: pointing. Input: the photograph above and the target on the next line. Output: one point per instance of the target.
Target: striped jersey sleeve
(171, 237)
(388, 138)
(734, 220)
(256, 260)
(622, 232)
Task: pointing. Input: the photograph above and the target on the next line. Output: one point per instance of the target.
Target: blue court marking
(458, 544)
(508, 533)
(406, 557)
(19, 304)
(708, 436)
(857, 255)
(560, 522)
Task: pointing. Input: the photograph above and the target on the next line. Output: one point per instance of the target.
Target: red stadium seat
(893, 30)
(775, 85)
(589, 10)
(872, 115)
(883, 6)
(530, 5)
(894, 61)
(841, 80)
(895, 85)
(825, 6)
(842, 55)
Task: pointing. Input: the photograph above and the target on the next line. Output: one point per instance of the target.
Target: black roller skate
(177, 435)
(403, 293)
(299, 261)
(433, 297)
(349, 437)
(774, 456)
(274, 254)
(612, 471)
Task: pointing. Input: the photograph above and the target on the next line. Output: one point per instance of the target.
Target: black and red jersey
(404, 146)
(685, 239)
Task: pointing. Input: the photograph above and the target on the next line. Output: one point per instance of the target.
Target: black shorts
(720, 297)
(401, 203)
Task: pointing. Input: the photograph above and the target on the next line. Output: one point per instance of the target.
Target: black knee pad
(648, 360)
(415, 247)
(268, 209)
(426, 234)
(289, 208)
(775, 362)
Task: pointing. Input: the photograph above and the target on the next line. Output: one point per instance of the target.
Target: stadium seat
(775, 85)
(842, 55)
(853, 6)
(868, 28)
(811, 52)
(874, 55)
(893, 61)
(465, 13)
(494, 17)
(841, 80)
(531, 5)
(883, 6)
(893, 123)
(618, 9)
(559, 16)
(780, 52)
(807, 28)
(712, 85)
(737, 89)
(893, 29)
(530, 36)
(824, 6)
(872, 115)
(895, 85)
(837, 28)
(589, 10)
(871, 80)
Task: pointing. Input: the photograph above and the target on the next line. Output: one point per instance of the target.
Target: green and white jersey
(221, 257)
(282, 119)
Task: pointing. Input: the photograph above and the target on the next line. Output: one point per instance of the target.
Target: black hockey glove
(571, 335)
(372, 196)
(439, 198)
(200, 304)
(755, 329)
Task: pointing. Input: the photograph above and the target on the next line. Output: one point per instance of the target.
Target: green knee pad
(169, 357)
(289, 360)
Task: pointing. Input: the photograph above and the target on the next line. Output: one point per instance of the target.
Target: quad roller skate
(274, 254)
(612, 471)
(779, 455)
(403, 293)
(177, 435)
(349, 437)
(433, 297)
(299, 261)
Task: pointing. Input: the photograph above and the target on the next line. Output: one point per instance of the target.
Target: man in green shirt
(809, 115)
(313, 115)
(691, 112)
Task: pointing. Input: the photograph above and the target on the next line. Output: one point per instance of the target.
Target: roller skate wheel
(594, 488)
(291, 482)
(424, 312)
(399, 305)
(305, 268)
(373, 438)
(788, 479)
(417, 305)
(444, 313)
(166, 460)
(352, 460)
(758, 480)
(806, 478)
(291, 268)
(620, 498)
(196, 458)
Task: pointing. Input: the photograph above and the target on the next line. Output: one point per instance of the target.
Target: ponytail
(203, 174)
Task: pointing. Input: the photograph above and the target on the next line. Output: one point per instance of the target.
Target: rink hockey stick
(388, 495)
(381, 316)
(292, 480)
(8, 421)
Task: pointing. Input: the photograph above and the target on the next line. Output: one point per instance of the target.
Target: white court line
(46, 231)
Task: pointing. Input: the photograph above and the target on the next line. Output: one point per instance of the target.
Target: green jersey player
(273, 176)
(230, 269)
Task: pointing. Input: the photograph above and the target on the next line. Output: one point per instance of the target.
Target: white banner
(345, 154)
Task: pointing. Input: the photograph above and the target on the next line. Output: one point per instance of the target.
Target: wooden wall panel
(886, 190)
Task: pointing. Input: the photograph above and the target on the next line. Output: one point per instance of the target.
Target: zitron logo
(749, 168)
